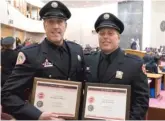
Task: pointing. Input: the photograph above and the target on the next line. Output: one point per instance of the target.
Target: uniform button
(87, 68)
(50, 76)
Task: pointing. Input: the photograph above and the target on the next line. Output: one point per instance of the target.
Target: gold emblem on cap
(54, 4)
(106, 16)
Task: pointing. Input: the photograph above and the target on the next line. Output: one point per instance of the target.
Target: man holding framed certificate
(53, 58)
(112, 66)
(106, 101)
(58, 96)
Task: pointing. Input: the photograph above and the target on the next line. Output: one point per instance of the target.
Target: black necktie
(60, 50)
(64, 59)
(103, 66)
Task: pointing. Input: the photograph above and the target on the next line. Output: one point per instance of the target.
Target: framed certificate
(58, 96)
(106, 101)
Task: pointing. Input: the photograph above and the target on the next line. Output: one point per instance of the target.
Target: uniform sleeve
(14, 59)
(140, 95)
(80, 71)
(83, 65)
(13, 100)
(87, 58)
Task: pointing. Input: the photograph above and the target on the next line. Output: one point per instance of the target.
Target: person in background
(133, 44)
(28, 41)
(19, 45)
(88, 49)
(151, 63)
(97, 49)
(163, 69)
(8, 58)
(157, 60)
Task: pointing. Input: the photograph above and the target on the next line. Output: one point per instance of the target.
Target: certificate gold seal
(90, 108)
(39, 104)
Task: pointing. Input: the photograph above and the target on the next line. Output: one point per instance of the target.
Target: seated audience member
(157, 59)
(147, 58)
(151, 65)
(163, 70)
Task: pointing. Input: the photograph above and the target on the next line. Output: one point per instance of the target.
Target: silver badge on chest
(119, 74)
(87, 68)
(79, 57)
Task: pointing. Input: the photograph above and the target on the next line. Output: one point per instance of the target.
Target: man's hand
(50, 116)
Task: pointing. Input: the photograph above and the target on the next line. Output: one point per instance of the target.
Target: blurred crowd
(20, 44)
(9, 53)
(159, 52)
(88, 49)
(155, 59)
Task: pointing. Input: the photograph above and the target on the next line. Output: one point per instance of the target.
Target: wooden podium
(155, 113)
(157, 80)
(163, 79)
(135, 52)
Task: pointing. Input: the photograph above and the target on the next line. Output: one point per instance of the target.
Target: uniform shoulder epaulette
(87, 53)
(91, 53)
(71, 42)
(133, 57)
(30, 46)
(94, 52)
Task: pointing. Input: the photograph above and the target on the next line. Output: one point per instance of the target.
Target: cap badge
(54, 4)
(106, 16)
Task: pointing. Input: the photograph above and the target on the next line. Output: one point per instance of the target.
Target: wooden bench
(157, 81)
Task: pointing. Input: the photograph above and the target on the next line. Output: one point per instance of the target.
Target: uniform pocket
(49, 72)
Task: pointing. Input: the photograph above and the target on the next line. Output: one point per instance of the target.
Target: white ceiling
(84, 3)
(158, 6)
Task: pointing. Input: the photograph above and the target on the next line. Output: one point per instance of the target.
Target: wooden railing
(135, 52)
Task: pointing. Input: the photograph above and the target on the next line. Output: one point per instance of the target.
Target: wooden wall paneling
(6, 31)
(38, 10)
(25, 8)
(20, 34)
(15, 3)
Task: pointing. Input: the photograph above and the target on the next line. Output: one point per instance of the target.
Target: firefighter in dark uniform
(52, 58)
(112, 66)
(8, 58)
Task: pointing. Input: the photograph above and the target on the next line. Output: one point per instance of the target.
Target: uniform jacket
(13, 97)
(8, 61)
(131, 66)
